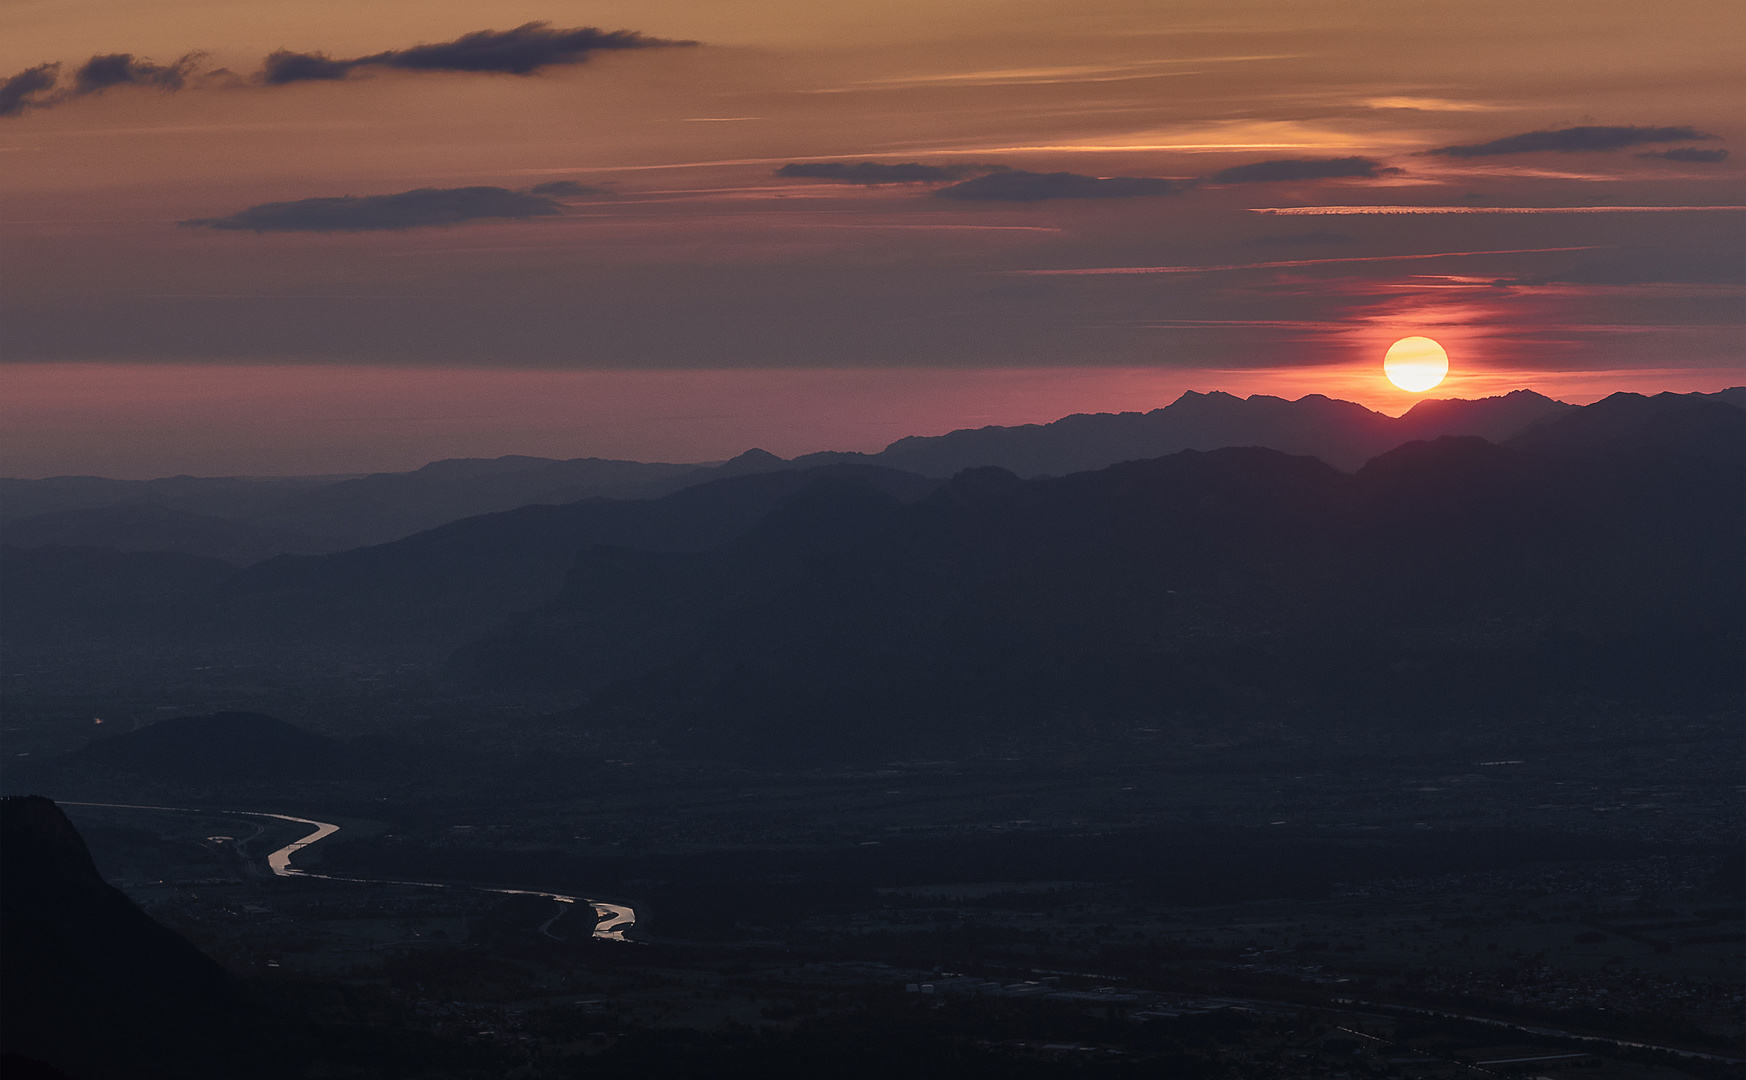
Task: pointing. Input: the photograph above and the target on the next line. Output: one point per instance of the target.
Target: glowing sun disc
(1415, 364)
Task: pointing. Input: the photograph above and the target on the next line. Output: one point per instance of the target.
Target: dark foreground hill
(93, 988)
(242, 748)
(91, 984)
(1444, 578)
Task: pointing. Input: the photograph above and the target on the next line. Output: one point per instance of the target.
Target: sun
(1415, 364)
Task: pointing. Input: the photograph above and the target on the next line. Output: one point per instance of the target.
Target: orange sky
(699, 260)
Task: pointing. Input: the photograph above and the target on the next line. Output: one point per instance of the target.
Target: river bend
(612, 920)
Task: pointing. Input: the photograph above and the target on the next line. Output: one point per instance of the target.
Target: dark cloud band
(36, 87)
(1016, 185)
(1575, 140)
(375, 213)
(1264, 172)
(522, 51)
(27, 88)
(123, 69)
(1696, 155)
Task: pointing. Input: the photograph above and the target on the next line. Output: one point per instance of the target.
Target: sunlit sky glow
(686, 302)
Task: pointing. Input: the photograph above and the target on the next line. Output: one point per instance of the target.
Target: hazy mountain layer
(246, 520)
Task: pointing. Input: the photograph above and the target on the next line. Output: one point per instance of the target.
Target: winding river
(612, 920)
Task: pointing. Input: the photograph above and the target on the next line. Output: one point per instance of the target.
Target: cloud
(1290, 263)
(1694, 154)
(284, 66)
(20, 91)
(873, 172)
(521, 51)
(1266, 172)
(35, 87)
(121, 69)
(565, 187)
(1016, 185)
(1572, 140)
(1293, 211)
(404, 210)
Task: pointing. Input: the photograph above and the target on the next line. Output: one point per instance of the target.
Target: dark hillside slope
(147, 527)
(1444, 577)
(91, 984)
(230, 497)
(439, 588)
(1689, 425)
(383, 507)
(81, 594)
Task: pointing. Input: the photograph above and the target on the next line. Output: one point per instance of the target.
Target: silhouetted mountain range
(1555, 536)
(1341, 433)
(244, 520)
(1443, 577)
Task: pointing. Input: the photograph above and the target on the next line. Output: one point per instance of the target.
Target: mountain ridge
(469, 580)
(244, 521)
(1446, 575)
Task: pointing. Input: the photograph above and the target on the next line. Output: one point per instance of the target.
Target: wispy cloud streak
(1289, 263)
(1574, 140)
(1322, 211)
(1038, 76)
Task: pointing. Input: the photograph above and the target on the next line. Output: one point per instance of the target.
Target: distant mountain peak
(756, 455)
(755, 460)
(1342, 433)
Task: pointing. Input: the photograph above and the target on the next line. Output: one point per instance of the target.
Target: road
(612, 920)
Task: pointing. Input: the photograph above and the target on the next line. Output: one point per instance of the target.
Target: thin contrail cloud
(1317, 211)
(1288, 263)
